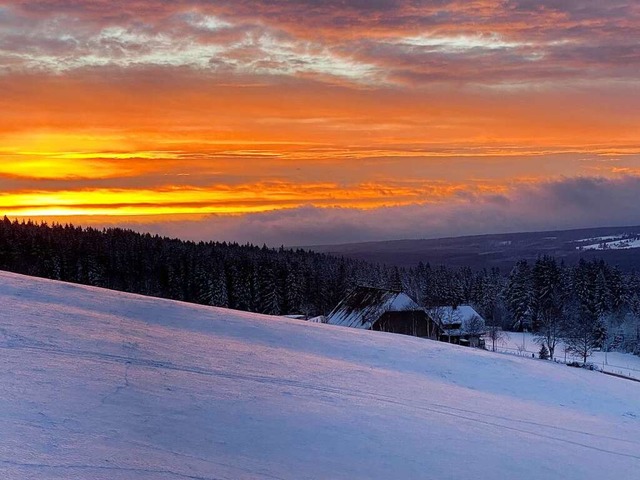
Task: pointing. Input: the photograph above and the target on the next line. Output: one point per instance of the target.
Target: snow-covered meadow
(104, 385)
(611, 242)
(525, 344)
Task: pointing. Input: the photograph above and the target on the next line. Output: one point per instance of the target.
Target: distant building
(383, 310)
(461, 325)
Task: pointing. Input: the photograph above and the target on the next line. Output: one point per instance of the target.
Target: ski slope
(104, 385)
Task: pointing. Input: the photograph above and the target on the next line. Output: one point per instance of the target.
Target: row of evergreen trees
(591, 304)
(243, 277)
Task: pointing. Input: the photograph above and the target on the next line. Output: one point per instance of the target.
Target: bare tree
(613, 330)
(474, 326)
(437, 314)
(551, 325)
(497, 336)
(550, 298)
(581, 334)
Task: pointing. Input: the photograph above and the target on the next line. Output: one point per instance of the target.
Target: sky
(306, 122)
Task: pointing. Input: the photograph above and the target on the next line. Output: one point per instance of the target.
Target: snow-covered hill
(611, 242)
(103, 385)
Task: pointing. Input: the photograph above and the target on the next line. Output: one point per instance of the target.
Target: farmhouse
(461, 325)
(383, 310)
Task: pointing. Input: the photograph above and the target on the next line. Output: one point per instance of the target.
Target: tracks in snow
(615, 446)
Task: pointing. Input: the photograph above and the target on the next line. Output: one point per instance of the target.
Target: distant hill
(616, 245)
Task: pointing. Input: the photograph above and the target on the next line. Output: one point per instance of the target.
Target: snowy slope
(102, 385)
(612, 242)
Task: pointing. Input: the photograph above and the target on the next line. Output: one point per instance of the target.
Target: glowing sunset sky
(305, 121)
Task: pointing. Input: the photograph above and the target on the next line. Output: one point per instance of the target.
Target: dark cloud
(566, 203)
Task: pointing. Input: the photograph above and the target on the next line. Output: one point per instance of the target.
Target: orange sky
(157, 113)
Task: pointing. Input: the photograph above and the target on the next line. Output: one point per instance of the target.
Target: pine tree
(268, 301)
(549, 298)
(395, 282)
(487, 295)
(518, 294)
(581, 334)
(543, 354)
(293, 295)
(219, 295)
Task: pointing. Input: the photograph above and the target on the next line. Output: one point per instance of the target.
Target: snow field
(612, 242)
(614, 362)
(104, 385)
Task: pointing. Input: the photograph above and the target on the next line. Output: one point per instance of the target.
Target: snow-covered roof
(362, 307)
(465, 316)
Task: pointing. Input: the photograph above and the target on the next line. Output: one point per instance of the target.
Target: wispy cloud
(375, 42)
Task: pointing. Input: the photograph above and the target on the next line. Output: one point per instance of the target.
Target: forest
(588, 305)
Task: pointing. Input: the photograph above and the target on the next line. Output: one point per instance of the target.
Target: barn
(383, 310)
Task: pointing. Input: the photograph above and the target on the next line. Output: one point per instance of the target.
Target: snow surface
(619, 242)
(600, 239)
(103, 385)
(400, 303)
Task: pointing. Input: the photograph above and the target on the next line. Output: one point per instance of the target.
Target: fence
(566, 358)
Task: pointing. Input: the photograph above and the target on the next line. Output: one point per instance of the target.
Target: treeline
(588, 305)
(243, 277)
